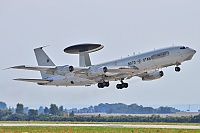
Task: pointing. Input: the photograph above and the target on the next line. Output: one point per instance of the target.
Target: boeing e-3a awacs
(145, 65)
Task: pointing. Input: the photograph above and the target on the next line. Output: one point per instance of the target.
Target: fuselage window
(160, 55)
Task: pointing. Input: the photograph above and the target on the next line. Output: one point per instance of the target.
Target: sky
(122, 26)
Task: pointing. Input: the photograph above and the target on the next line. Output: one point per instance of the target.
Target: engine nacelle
(153, 75)
(62, 70)
(96, 70)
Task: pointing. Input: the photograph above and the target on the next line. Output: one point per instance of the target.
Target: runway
(110, 125)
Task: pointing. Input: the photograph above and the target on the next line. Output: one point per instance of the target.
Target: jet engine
(96, 70)
(153, 75)
(62, 70)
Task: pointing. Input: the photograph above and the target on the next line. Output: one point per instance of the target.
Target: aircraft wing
(38, 68)
(40, 81)
(84, 72)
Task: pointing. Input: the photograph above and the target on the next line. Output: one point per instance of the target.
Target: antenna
(189, 108)
(44, 46)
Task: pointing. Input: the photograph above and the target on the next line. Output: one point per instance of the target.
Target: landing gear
(177, 69)
(104, 84)
(100, 85)
(122, 85)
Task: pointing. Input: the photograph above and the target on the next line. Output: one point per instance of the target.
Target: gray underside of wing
(38, 68)
(40, 81)
(113, 73)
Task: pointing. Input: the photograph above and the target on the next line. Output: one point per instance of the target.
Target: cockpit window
(182, 47)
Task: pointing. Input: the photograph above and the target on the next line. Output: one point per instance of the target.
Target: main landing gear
(122, 85)
(104, 84)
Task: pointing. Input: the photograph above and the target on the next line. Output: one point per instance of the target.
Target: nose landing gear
(177, 69)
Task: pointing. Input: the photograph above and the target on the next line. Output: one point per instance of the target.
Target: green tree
(3, 105)
(71, 114)
(163, 110)
(41, 110)
(46, 110)
(20, 109)
(61, 108)
(17, 117)
(53, 109)
(4, 113)
(32, 113)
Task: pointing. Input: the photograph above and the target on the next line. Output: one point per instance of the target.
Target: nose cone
(192, 51)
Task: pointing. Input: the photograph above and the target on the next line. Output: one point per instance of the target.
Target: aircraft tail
(43, 60)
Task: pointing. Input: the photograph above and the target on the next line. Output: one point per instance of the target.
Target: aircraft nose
(193, 51)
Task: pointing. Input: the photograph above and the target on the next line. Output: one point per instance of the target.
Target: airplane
(145, 65)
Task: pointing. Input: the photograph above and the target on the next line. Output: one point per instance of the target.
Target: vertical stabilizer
(84, 59)
(43, 60)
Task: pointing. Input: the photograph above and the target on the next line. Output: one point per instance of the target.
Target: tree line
(55, 113)
(7, 115)
(116, 108)
(121, 108)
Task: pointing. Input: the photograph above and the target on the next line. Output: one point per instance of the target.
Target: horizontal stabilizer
(38, 68)
(40, 81)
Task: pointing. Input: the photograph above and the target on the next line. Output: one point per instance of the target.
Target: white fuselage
(148, 61)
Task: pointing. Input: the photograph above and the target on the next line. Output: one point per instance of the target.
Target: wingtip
(9, 68)
(18, 79)
(14, 67)
(17, 67)
(15, 79)
(6, 68)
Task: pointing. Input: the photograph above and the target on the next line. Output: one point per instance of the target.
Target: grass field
(84, 129)
(90, 130)
(130, 123)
